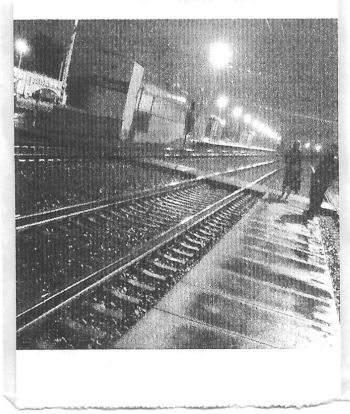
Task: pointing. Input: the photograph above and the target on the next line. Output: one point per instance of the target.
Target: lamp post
(22, 48)
(67, 64)
(247, 118)
(221, 103)
(237, 112)
(220, 54)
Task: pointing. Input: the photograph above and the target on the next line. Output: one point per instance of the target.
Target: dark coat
(292, 171)
(327, 170)
(189, 121)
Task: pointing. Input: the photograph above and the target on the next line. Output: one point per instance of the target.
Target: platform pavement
(264, 285)
(332, 195)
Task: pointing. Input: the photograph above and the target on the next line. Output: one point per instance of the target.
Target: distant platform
(264, 285)
(227, 143)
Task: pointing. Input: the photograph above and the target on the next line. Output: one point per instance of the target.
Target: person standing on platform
(35, 109)
(322, 177)
(292, 171)
(189, 122)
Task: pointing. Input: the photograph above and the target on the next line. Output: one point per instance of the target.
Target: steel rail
(188, 155)
(62, 298)
(36, 219)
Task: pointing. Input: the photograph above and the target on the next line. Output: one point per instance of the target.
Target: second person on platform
(292, 171)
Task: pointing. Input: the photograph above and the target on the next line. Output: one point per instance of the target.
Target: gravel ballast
(330, 237)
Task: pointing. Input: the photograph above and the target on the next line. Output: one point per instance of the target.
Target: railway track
(48, 179)
(93, 311)
(27, 151)
(54, 255)
(31, 220)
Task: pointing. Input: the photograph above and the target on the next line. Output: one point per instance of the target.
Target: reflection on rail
(216, 216)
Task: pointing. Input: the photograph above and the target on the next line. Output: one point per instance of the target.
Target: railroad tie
(164, 266)
(123, 296)
(182, 253)
(189, 247)
(115, 314)
(173, 259)
(153, 275)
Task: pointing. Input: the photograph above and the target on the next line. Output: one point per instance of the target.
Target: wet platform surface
(264, 285)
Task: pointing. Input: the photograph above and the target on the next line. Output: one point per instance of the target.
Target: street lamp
(67, 64)
(307, 145)
(237, 111)
(247, 118)
(220, 54)
(318, 147)
(222, 102)
(22, 48)
(258, 125)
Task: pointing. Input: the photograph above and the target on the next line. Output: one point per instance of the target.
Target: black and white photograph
(176, 184)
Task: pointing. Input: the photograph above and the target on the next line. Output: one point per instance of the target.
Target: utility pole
(67, 63)
(61, 67)
(20, 60)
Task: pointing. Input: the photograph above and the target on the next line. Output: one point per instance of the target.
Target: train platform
(266, 284)
(332, 196)
(226, 176)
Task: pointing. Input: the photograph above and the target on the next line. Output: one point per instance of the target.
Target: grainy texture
(41, 186)
(330, 236)
(133, 138)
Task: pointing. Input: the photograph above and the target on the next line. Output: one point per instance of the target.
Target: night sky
(283, 71)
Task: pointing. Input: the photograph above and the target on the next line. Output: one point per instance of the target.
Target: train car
(214, 127)
(216, 131)
(159, 116)
(260, 140)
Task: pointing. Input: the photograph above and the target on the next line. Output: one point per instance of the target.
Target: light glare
(247, 118)
(237, 111)
(222, 101)
(220, 54)
(262, 128)
(22, 46)
(258, 125)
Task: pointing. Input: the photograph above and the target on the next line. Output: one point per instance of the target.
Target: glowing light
(222, 122)
(307, 145)
(237, 111)
(220, 54)
(181, 99)
(258, 125)
(264, 129)
(318, 147)
(222, 102)
(22, 46)
(247, 118)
